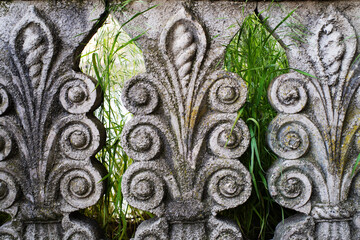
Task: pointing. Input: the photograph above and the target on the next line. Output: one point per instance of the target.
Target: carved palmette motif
(186, 167)
(316, 137)
(47, 138)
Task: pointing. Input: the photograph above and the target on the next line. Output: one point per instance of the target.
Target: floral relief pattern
(47, 138)
(186, 167)
(315, 136)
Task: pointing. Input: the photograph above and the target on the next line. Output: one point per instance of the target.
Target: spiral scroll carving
(226, 234)
(153, 229)
(228, 142)
(80, 139)
(288, 138)
(5, 144)
(75, 234)
(141, 139)
(8, 232)
(226, 183)
(8, 190)
(7, 236)
(79, 94)
(228, 94)
(230, 187)
(4, 100)
(139, 96)
(76, 229)
(81, 188)
(224, 230)
(287, 93)
(296, 227)
(291, 188)
(143, 189)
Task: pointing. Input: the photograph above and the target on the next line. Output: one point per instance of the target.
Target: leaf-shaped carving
(183, 53)
(34, 47)
(331, 48)
(183, 43)
(32, 51)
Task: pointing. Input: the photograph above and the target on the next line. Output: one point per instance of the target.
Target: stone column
(316, 133)
(48, 135)
(186, 169)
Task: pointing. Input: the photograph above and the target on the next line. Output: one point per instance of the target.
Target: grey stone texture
(316, 132)
(48, 135)
(186, 170)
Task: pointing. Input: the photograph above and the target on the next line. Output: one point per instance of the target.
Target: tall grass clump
(257, 58)
(112, 57)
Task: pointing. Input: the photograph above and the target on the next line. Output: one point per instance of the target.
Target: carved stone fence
(185, 168)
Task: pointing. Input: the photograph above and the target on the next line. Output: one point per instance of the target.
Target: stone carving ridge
(186, 166)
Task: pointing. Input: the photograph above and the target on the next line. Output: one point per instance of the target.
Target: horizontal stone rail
(185, 168)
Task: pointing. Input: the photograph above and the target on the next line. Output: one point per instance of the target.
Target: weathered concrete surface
(48, 136)
(184, 108)
(316, 134)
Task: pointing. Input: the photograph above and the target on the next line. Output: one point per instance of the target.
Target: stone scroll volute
(316, 132)
(48, 135)
(184, 107)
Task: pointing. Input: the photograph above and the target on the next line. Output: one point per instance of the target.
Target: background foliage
(112, 57)
(258, 58)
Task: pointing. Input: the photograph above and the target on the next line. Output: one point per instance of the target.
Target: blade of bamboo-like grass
(257, 58)
(111, 54)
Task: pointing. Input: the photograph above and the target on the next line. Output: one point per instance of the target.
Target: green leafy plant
(112, 57)
(257, 58)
